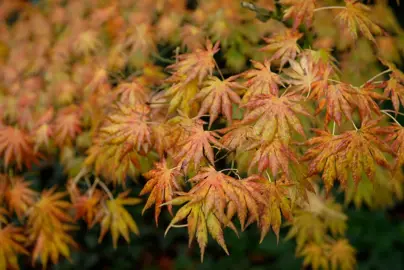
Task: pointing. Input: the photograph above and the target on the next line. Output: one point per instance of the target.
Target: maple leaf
(12, 239)
(181, 94)
(284, 45)
(342, 255)
(306, 227)
(395, 90)
(206, 203)
(87, 206)
(337, 99)
(19, 196)
(302, 75)
(315, 256)
(276, 203)
(196, 145)
(299, 10)
(365, 101)
(218, 96)
(129, 125)
(271, 115)
(356, 17)
(195, 65)
(125, 135)
(395, 136)
(261, 80)
(49, 211)
(67, 125)
(395, 85)
(355, 151)
(273, 155)
(49, 227)
(237, 137)
(16, 146)
(162, 184)
(43, 130)
(117, 219)
(132, 93)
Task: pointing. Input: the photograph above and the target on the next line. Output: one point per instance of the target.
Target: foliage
(124, 91)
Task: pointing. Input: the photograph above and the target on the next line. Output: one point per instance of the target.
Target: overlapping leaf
(271, 115)
(218, 96)
(162, 184)
(117, 219)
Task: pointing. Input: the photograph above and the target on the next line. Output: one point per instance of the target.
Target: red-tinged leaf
(271, 115)
(283, 45)
(356, 16)
(12, 244)
(273, 155)
(300, 11)
(19, 196)
(195, 65)
(197, 145)
(218, 96)
(261, 80)
(161, 180)
(16, 147)
(67, 125)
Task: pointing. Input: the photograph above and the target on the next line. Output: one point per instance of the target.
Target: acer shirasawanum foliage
(86, 83)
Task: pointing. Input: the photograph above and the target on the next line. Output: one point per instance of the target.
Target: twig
(376, 76)
(389, 115)
(329, 7)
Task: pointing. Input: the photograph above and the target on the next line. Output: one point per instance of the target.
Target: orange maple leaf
(283, 45)
(205, 206)
(356, 16)
(196, 145)
(16, 146)
(299, 10)
(271, 115)
(67, 125)
(162, 184)
(261, 80)
(352, 152)
(273, 154)
(19, 196)
(218, 96)
(195, 65)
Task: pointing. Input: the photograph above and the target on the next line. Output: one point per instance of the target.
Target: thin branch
(218, 69)
(392, 117)
(353, 123)
(333, 128)
(376, 76)
(104, 187)
(402, 114)
(329, 7)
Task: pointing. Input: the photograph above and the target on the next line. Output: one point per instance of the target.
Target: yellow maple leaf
(342, 255)
(117, 219)
(356, 17)
(12, 240)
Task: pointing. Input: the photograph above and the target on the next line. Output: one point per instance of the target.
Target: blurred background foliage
(377, 235)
